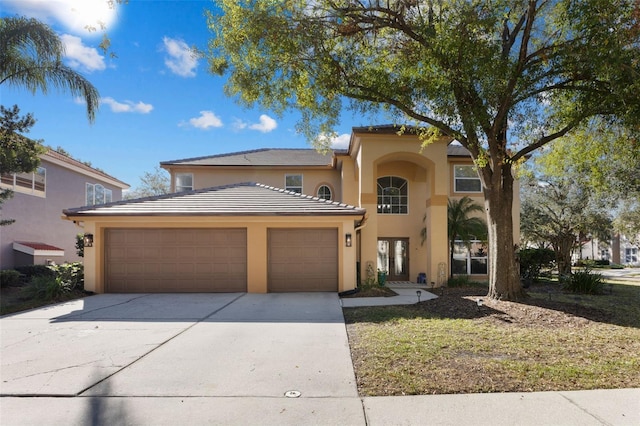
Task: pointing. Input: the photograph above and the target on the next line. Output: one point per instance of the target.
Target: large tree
(601, 154)
(503, 77)
(31, 57)
(152, 183)
(562, 212)
(18, 154)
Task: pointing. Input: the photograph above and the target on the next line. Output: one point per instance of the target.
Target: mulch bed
(541, 311)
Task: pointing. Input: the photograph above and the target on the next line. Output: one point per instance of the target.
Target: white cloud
(335, 141)
(74, 15)
(181, 60)
(206, 120)
(127, 106)
(265, 125)
(80, 56)
(239, 124)
(341, 141)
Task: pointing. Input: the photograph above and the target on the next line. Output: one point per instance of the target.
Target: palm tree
(461, 226)
(31, 56)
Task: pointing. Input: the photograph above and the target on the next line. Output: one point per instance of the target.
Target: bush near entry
(532, 261)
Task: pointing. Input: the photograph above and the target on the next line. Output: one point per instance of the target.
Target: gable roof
(242, 199)
(455, 150)
(270, 157)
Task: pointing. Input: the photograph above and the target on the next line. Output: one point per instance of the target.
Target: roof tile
(260, 157)
(242, 199)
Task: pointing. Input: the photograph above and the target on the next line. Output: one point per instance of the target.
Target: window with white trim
(466, 178)
(324, 192)
(184, 182)
(393, 195)
(293, 183)
(470, 258)
(97, 194)
(631, 255)
(27, 183)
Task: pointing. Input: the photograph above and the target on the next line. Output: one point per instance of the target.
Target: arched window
(324, 192)
(392, 195)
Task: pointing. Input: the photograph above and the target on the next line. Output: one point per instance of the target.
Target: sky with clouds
(158, 102)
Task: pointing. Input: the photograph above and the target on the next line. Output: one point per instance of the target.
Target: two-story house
(275, 220)
(39, 235)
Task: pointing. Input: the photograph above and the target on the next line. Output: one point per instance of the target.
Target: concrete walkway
(233, 359)
(407, 294)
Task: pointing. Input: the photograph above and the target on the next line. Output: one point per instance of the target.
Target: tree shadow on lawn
(542, 308)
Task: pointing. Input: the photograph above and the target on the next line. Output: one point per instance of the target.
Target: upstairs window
(324, 192)
(293, 183)
(97, 194)
(26, 183)
(184, 182)
(466, 179)
(392, 195)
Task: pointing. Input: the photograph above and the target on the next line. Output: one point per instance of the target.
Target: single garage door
(175, 260)
(303, 260)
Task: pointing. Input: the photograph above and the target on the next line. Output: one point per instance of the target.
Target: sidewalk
(618, 407)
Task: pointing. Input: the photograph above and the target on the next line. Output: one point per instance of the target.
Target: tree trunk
(563, 254)
(504, 274)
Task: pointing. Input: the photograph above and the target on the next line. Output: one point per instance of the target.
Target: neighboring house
(275, 220)
(39, 234)
(620, 250)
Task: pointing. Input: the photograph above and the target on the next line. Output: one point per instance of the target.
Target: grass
(552, 341)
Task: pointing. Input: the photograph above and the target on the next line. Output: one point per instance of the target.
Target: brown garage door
(176, 260)
(303, 260)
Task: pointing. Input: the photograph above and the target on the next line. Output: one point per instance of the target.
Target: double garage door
(215, 260)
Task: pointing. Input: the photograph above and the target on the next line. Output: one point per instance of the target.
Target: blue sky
(158, 102)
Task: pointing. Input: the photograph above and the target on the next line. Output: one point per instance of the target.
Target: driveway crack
(160, 344)
(579, 407)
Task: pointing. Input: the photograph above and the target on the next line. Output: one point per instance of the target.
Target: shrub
(80, 245)
(70, 274)
(31, 271)
(585, 282)
(532, 261)
(10, 278)
(44, 287)
(458, 281)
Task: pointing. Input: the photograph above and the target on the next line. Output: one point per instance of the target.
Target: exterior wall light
(347, 240)
(88, 240)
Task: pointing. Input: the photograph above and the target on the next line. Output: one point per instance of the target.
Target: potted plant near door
(382, 277)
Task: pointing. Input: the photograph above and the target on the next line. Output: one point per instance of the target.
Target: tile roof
(242, 199)
(39, 246)
(455, 150)
(261, 157)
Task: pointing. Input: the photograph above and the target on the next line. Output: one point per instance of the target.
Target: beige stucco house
(275, 220)
(39, 235)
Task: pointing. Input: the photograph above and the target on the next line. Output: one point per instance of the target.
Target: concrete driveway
(230, 359)
(180, 358)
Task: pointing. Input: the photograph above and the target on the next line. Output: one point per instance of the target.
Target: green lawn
(552, 341)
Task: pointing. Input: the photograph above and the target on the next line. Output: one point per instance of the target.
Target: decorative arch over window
(392, 195)
(324, 192)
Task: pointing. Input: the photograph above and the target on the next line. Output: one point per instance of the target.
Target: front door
(393, 257)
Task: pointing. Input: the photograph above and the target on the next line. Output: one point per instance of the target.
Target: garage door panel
(303, 259)
(176, 260)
